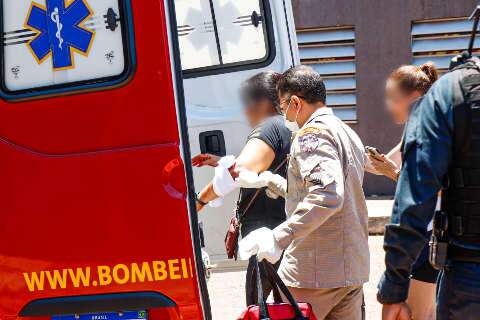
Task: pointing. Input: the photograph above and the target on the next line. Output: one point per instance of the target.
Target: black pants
(251, 283)
(458, 292)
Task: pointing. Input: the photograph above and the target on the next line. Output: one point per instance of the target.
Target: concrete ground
(227, 287)
(379, 207)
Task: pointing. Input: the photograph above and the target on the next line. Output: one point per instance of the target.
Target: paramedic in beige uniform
(325, 238)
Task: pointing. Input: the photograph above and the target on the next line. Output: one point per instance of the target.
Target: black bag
(277, 310)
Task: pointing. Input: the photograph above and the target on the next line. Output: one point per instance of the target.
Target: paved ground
(379, 207)
(227, 288)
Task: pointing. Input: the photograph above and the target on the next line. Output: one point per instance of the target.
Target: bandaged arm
(256, 156)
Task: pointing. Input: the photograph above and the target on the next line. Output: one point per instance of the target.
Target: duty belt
(462, 254)
(465, 177)
(464, 225)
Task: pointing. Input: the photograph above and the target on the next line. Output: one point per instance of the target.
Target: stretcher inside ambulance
(102, 103)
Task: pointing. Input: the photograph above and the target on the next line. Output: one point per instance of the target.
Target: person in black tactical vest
(403, 87)
(441, 151)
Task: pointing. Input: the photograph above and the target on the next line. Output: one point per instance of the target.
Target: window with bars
(440, 40)
(331, 51)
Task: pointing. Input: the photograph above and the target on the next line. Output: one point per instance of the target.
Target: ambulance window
(55, 45)
(217, 34)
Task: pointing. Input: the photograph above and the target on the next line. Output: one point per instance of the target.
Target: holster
(439, 242)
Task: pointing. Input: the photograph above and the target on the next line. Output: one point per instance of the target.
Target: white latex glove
(262, 243)
(271, 194)
(251, 180)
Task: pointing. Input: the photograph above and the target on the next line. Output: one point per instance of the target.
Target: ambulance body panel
(96, 190)
(93, 191)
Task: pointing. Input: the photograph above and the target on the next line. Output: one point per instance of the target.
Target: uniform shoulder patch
(308, 139)
(309, 130)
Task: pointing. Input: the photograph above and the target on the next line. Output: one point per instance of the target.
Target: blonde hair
(412, 78)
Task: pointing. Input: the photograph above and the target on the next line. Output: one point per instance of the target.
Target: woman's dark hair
(304, 82)
(412, 78)
(261, 86)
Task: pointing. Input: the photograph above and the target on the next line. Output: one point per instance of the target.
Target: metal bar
(474, 35)
(215, 28)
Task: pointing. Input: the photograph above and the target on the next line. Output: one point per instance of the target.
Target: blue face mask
(291, 125)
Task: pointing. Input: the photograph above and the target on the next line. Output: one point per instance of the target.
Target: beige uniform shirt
(326, 234)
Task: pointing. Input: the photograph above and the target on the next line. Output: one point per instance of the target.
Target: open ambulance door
(223, 43)
(94, 193)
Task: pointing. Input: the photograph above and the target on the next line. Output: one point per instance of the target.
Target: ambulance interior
(222, 43)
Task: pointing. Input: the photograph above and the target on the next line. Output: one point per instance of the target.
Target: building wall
(383, 42)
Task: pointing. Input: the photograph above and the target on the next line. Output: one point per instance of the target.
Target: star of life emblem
(60, 31)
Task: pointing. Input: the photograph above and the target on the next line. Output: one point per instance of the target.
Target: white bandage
(223, 182)
(216, 203)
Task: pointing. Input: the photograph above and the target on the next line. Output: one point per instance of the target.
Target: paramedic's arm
(427, 154)
(322, 174)
(256, 156)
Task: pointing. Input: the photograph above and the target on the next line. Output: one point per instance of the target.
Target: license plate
(127, 315)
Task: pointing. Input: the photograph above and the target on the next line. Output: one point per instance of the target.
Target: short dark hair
(304, 82)
(261, 86)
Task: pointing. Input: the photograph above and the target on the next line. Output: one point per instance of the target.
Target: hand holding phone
(374, 153)
(382, 164)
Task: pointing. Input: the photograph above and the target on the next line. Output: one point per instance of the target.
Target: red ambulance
(97, 216)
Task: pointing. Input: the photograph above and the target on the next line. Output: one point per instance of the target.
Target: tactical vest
(461, 198)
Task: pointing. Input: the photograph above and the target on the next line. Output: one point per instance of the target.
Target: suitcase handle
(276, 282)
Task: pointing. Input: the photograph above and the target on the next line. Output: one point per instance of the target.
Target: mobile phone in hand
(374, 152)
